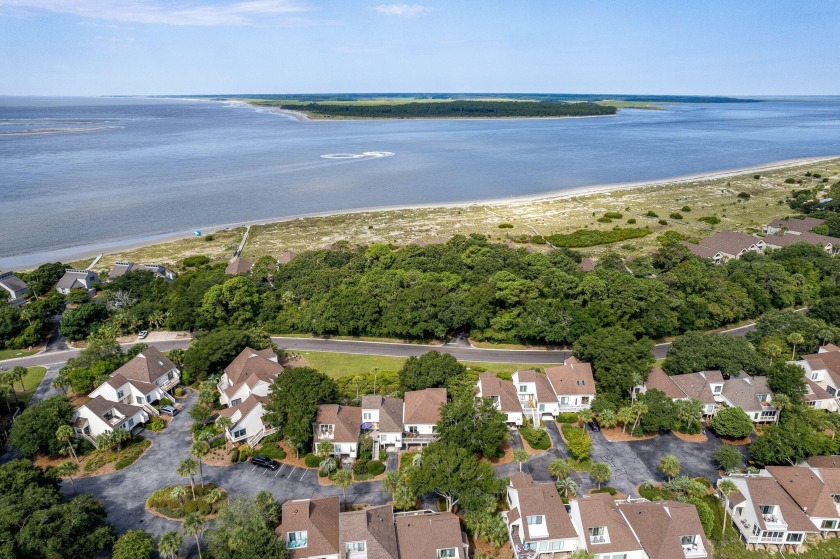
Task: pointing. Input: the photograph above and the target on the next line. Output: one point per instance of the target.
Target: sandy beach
(28, 261)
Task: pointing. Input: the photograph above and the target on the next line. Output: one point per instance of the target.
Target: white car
(142, 335)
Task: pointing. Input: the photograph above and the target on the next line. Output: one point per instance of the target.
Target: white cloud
(166, 12)
(402, 10)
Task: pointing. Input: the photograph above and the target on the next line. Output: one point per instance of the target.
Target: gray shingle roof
(374, 526)
(742, 391)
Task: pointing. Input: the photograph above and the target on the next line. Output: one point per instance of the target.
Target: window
(717, 389)
(523, 388)
(367, 416)
(688, 540)
(831, 390)
(170, 375)
(449, 552)
(148, 398)
(326, 429)
(296, 540)
(542, 408)
(772, 535)
(794, 538)
(120, 394)
(584, 400)
(534, 519)
(814, 376)
(556, 545)
(761, 397)
(828, 525)
(358, 547)
(755, 416)
(130, 424)
(236, 402)
(337, 448)
(564, 400)
(138, 399)
(581, 382)
(543, 546)
(238, 434)
(768, 414)
(836, 498)
(598, 531)
(414, 429)
(766, 509)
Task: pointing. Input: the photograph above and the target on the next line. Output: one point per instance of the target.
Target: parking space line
(291, 472)
(254, 468)
(305, 471)
(280, 469)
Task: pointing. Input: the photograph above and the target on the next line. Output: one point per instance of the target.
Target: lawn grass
(14, 353)
(34, 376)
(338, 365)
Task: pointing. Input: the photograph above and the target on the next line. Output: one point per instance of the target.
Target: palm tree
(68, 470)
(343, 479)
(61, 381)
(585, 415)
(601, 473)
(726, 489)
(188, 468)
(179, 492)
(170, 544)
(795, 338)
(625, 416)
(568, 486)
(224, 423)
(781, 402)
(18, 374)
(198, 450)
(65, 434)
(639, 409)
(8, 379)
(520, 455)
(558, 468)
(825, 335)
(607, 419)
(214, 495)
(5, 392)
(194, 526)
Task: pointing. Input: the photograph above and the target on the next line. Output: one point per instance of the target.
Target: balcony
(170, 383)
(419, 438)
(774, 522)
(694, 550)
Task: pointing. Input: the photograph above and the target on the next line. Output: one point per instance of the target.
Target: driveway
(636, 461)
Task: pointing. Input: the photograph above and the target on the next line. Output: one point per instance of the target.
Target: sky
(168, 47)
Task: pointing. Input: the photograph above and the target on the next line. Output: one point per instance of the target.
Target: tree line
(453, 109)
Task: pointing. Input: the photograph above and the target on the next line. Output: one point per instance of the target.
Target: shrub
(375, 467)
(506, 226)
(96, 461)
(604, 220)
(234, 456)
(631, 221)
(218, 443)
(707, 517)
(675, 215)
(577, 440)
(538, 439)
(165, 402)
(663, 222)
(383, 455)
(744, 195)
(733, 423)
(179, 391)
(685, 209)
(311, 460)
(606, 489)
(710, 219)
(244, 453)
(652, 213)
(756, 177)
(194, 261)
(156, 424)
(587, 238)
(790, 180)
(613, 215)
(272, 450)
(567, 417)
(209, 238)
(360, 468)
(322, 473)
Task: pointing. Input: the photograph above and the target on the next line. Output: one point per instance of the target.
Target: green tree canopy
(661, 412)
(245, 530)
(732, 423)
(293, 399)
(474, 424)
(134, 544)
(430, 370)
(619, 360)
(697, 351)
(210, 353)
(34, 430)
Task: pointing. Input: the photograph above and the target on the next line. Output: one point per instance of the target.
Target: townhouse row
(125, 400)
(782, 505)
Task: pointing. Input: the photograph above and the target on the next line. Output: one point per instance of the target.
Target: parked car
(593, 425)
(142, 335)
(265, 462)
(169, 410)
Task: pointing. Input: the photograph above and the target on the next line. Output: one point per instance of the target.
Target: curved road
(461, 352)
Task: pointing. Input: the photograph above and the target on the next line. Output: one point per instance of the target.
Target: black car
(593, 425)
(265, 462)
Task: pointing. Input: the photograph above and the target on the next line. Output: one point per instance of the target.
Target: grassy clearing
(629, 104)
(338, 365)
(712, 197)
(34, 376)
(14, 353)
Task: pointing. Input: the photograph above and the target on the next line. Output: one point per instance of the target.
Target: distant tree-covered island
(444, 109)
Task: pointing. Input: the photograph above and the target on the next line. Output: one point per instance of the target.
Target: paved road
(524, 356)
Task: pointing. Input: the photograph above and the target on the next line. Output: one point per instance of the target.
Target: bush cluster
(312, 461)
(538, 439)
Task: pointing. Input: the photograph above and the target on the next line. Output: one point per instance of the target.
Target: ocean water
(83, 173)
